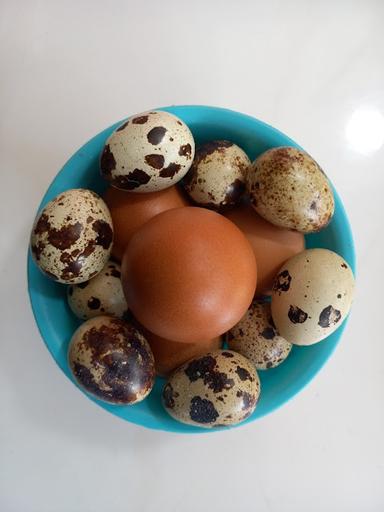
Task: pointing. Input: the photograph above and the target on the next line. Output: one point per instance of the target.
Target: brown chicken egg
(129, 211)
(189, 274)
(272, 245)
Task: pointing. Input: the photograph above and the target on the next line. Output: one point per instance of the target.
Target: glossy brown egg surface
(189, 274)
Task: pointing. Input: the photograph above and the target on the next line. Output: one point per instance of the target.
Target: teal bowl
(57, 324)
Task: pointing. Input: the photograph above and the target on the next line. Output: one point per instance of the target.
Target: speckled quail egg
(218, 389)
(111, 360)
(103, 294)
(256, 338)
(289, 189)
(72, 237)
(148, 152)
(311, 296)
(216, 179)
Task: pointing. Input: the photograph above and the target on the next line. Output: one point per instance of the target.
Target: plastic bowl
(57, 324)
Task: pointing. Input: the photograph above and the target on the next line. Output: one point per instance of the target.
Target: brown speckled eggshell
(312, 295)
(103, 294)
(72, 237)
(218, 389)
(216, 179)
(257, 338)
(289, 189)
(189, 274)
(112, 360)
(130, 211)
(148, 152)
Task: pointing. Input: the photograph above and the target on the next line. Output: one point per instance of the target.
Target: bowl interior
(57, 324)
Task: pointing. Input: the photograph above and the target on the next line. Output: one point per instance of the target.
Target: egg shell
(148, 152)
(312, 295)
(271, 245)
(216, 179)
(289, 189)
(256, 338)
(189, 274)
(169, 355)
(218, 389)
(111, 360)
(72, 237)
(103, 294)
(129, 211)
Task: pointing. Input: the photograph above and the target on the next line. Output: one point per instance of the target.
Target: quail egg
(289, 189)
(257, 338)
(216, 179)
(218, 389)
(311, 296)
(112, 361)
(148, 152)
(103, 294)
(72, 237)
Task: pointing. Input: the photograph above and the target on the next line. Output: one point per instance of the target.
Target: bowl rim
(113, 409)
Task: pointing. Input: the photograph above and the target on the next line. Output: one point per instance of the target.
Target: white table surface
(313, 69)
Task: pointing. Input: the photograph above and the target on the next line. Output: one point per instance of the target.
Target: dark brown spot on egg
(89, 219)
(42, 225)
(66, 257)
(170, 170)
(115, 273)
(234, 192)
(88, 250)
(344, 265)
(218, 381)
(297, 315)
(282, 282)
(243, 374)
(268, 333)
(202, 411)
(132, 180)
(66, 236)
(140, 119)
(339, 295)
(107, 161)
(72, 270)
(204, 368)
(94, 303)
(155, 161)
(329, 316)
(169, 396)
(104, 233)
(156, 135)
(211, 147)
(227, 354)
(197, 368)
(121, 128)
(313, 206)
(185, 150)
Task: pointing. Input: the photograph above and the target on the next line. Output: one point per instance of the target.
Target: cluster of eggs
(179, 257)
